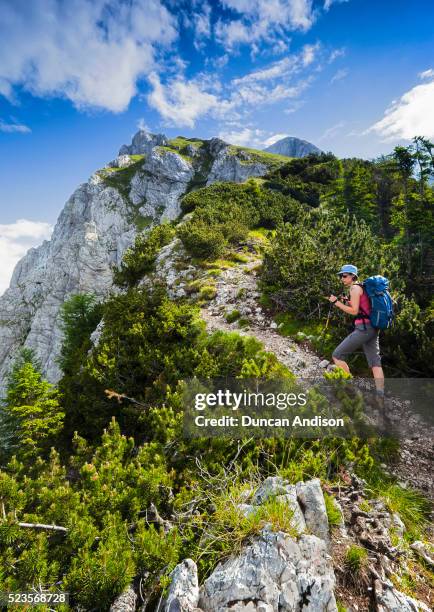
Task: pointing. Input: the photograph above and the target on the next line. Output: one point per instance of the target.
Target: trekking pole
(324, 331)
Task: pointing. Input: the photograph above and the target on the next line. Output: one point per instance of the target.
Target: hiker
(364, 334)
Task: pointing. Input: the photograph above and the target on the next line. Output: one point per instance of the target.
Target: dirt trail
(237, 290)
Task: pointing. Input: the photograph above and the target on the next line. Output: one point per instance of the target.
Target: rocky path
(237, 290)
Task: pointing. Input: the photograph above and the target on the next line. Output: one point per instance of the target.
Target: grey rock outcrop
(143, 143)
(277, 487)
(389, 599)
(229, 166)
(422, 551)
(274, 572)
(89, 238)
(183, 593)
(311, 497)
(161, 195)
(126, 602)
(293, 147)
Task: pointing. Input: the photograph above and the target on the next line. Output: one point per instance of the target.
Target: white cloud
(264, 20)
(250, 137)
(247, 137)
(309, 53)
(202, 26)
(14, 127)
(328, 3)
(142, 125)
(274, 138)
(427, 74)
(409, 116)
(336, 53)
(15, 240)
(181, 102)
(331, 131)
(89, 51)
(339, 75)
(273, 71)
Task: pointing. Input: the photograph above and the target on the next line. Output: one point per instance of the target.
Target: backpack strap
(362, 314)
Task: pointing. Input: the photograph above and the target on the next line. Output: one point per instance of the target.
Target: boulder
(125, 602)
(143, 143)
(389, 599)
(274, 572)
(183, 592)
(423, 552)
(311, 500)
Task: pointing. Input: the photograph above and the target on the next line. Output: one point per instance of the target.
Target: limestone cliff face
(139, 188)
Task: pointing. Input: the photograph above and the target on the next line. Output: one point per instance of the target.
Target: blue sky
(77, 78)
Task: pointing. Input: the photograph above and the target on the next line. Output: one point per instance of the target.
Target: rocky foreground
(305, 569)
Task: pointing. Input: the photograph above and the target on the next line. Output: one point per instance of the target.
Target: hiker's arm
(353, 307)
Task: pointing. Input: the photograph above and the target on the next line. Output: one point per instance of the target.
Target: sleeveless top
(364, 305)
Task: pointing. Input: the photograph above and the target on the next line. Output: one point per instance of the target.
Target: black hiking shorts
(368, 339)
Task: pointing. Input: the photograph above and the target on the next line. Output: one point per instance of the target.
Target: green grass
(207, 292)
(165, 149)
(261, 234)
(232, 316)
(225, 531)
(411, 505)
(238, 257)
(180, 142)
(356, 558)
(314, 332)
(214, 272)
(243, 322)
(121, 178)
(220, 264)
(333, 514)
(179, 146)
(272, 160)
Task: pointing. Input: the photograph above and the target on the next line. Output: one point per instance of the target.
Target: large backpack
(377, 289)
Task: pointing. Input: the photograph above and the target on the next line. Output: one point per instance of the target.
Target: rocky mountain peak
(143, 142)
(293, 147)
(140, 188)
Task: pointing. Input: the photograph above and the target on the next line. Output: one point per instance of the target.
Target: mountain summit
(293, 147)
(142, 187)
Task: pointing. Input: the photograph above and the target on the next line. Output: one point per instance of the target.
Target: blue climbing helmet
(377, 289)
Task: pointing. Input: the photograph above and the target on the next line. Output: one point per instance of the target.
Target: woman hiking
(364, 334)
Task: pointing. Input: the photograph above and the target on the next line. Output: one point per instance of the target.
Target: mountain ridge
(141, 187)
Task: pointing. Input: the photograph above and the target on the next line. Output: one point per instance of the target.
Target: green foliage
(221, 524)
(300, 267)
(31, 414)
(110, 489)
(140, 258)
(232, 316)
(80, 315)
(333, 513)
(254, 156)
(99, 575)
(120, 178)
(223, 214)
(410, 342)
(306, 179)
(356, 558)
(201, 240)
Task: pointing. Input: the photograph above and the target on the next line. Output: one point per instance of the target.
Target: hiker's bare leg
(378, 374)
(342, 364)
